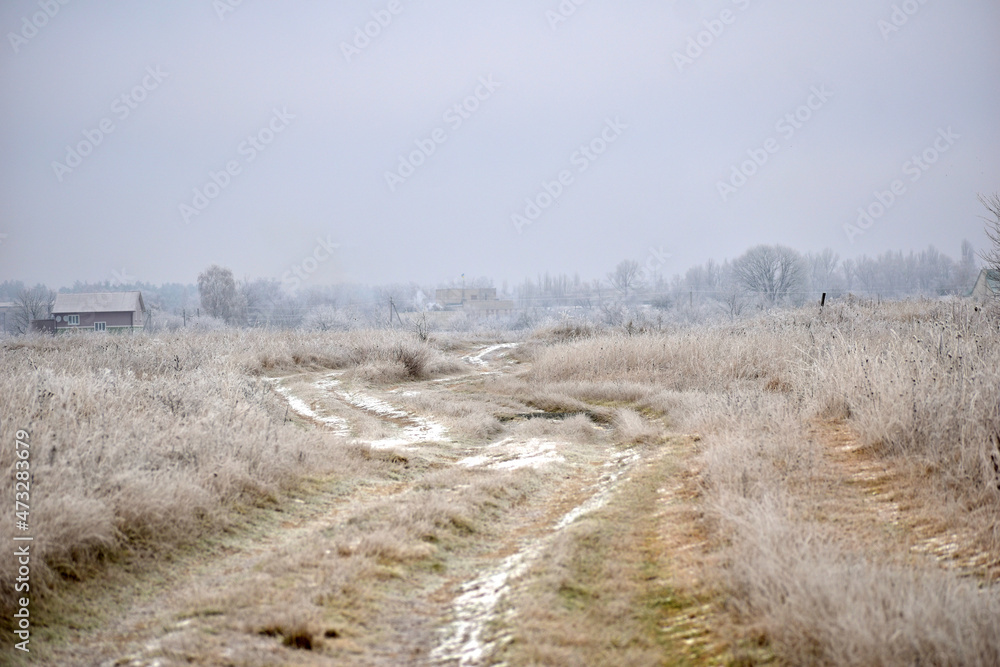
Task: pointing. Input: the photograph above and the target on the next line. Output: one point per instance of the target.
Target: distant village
(764, 277)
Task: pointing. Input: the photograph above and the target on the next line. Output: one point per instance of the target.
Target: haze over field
(526, 333)
(159, 138)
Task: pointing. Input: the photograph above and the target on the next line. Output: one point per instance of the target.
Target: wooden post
(822, 300)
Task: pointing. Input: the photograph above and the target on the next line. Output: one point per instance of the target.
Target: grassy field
(805, 487)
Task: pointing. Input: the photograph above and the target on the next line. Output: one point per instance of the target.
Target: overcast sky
(655, 131)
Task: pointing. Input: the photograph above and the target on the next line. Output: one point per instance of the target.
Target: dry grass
(567, 330)
(918, 381)
(338, 589)
(817, 604)
(923, 384)
(711, 358)
(604, 591)
(142, 443)
(378, 356)
(149, 443)
(631, 428)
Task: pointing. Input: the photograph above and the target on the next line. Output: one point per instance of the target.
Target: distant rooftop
(101, 302)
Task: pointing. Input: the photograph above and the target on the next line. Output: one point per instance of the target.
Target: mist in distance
(397, 142)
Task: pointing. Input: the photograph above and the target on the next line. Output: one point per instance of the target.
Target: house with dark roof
(987, 284)
(105, 311)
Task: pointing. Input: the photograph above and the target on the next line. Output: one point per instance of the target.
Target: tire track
(461, 640)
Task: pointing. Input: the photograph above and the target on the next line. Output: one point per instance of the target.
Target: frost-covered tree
(219, 296)
(774, 272)
(33, 303)
(265, 303)
(992, 255)
(824, 275)
(968, 268)
(625, 277)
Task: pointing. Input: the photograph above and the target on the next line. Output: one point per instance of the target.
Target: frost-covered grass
(917, 382)
(148, 442)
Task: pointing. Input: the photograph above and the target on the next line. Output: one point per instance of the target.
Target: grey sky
(208, 83)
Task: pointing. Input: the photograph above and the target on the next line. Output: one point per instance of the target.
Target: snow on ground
(403, 393)
(476, 608)
(479, 359)
(509, 454)
(336, 424)
(329, 382)
(621, 461)
(413, 430)
(416, 430)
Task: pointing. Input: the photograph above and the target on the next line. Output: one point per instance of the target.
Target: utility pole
(393, 309)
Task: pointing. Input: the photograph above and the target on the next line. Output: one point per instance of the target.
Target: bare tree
(992, 256)
(967, 268)
(824, 276)
(31, 304)
(732, 299)
(324, 318)
(258, 300)
(614, 312)
(773, 272)
(625, 277)
(219, 296)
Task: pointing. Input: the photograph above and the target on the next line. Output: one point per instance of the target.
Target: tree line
(764, 276)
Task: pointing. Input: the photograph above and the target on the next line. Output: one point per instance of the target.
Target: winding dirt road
(243, 602)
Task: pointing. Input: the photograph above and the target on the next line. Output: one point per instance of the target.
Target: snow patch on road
(336, 424)
(620, 462)
(403, 393)
(509, 454)
(476, 608)
(329, 382)
(415, 430)
(479, 359)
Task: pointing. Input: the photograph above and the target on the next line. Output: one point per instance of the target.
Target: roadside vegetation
(143, 444)
(849, 472)
(808, 486)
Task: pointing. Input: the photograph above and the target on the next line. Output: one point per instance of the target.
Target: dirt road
(428, 562)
